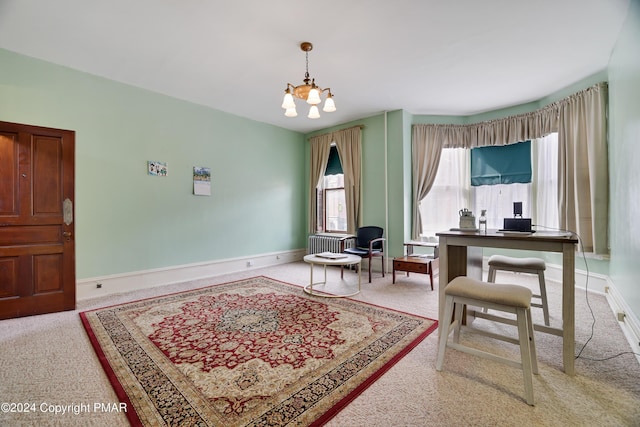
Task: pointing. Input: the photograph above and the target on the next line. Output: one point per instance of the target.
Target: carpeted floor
(47, 361)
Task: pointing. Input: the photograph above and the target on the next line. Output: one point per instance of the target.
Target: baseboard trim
(592, 282)
(628, 322)
(127, 282)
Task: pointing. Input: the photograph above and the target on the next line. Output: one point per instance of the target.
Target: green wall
(128, 221)
(399, 180)
(624, 158)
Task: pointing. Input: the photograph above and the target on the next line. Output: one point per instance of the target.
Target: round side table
(340, 259)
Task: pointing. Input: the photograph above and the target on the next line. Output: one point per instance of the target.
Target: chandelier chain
(307, 64)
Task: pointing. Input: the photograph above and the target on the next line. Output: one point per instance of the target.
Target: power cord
(586, 292)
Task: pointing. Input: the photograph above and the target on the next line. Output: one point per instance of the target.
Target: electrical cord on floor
(586, 293)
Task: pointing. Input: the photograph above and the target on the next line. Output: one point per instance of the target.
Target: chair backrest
(366, 234)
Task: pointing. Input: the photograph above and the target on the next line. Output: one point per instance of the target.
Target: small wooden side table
(415, 264)
(411, 263)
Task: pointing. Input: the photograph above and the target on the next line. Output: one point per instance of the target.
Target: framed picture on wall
(156, 168)
(201, 181)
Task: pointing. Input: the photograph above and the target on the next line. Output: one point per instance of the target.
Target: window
(498, 201)
(332, 210)
(332, 201)
(452, 191)
(501, 175)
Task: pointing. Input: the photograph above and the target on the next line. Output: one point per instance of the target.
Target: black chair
(369, 243)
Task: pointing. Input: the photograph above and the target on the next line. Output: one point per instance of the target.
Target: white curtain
(498, 200)
(449, 193)
(545, 176)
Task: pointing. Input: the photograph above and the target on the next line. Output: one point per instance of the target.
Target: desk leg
(442, 282)
(568, 308)
(456, 261)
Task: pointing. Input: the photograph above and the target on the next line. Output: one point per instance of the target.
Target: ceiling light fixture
(309, 92)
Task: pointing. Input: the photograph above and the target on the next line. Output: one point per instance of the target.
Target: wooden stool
(507, 298)
(523, 265)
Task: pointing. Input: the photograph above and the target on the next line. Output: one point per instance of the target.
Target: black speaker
(517, 224)
(517, 209)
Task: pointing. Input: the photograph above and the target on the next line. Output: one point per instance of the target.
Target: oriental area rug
(255, 352)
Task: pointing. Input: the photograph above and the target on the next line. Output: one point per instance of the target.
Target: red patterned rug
(256, 352)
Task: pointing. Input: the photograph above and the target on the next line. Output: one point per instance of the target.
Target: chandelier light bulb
(287, 102)
(329, 105)
(291, 112)
(314, 97)
(313, 112)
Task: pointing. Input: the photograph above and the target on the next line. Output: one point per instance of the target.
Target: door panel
(9, 277)
(8, 174)
(37, 248)
(47, 271)
(47, 175)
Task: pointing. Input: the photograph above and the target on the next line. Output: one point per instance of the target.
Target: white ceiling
(442, 57)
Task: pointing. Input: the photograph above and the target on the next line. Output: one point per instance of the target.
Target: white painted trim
(118, 283)
(628, 322)
(593, 282)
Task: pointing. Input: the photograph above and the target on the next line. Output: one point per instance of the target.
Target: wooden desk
(455, 246)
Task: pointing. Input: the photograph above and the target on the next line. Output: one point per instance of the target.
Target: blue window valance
(334, 167)
(502, 164)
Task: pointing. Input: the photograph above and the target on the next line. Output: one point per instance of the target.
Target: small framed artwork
(156, 168)
(201, 181)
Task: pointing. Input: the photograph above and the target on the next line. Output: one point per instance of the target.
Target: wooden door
(37, 249)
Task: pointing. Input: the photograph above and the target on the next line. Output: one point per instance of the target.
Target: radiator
(329, 243)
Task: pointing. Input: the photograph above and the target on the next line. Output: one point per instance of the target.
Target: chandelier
(309, 92)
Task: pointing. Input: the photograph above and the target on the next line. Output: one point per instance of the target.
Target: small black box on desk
(517, 224)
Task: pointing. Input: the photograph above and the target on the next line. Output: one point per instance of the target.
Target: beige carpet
(48, 361)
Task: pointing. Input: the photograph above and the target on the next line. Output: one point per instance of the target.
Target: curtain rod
(339, 130)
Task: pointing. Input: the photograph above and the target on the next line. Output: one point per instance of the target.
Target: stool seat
(512, 299)
(499, 261)
(511, 295)
(523, 265)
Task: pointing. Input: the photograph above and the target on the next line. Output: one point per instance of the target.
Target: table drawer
(413, 267)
